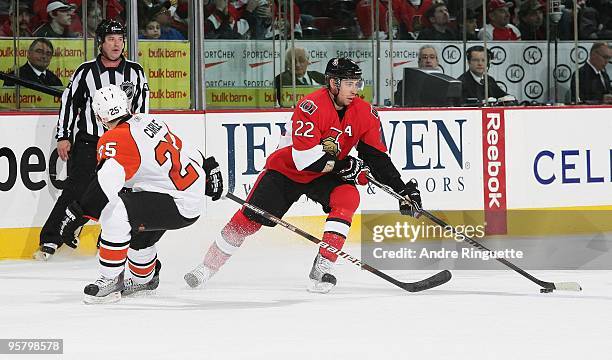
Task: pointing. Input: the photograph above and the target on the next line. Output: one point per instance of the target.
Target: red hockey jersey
(315, 129)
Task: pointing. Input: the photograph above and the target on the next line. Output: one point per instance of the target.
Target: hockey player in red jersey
(313, 160)
(167, 180)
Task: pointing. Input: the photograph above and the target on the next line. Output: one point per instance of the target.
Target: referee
(78, 146)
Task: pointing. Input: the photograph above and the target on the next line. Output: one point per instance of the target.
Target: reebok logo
(494, 170)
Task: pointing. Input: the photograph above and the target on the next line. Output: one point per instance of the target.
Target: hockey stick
(431, 282)
(546, 286)
(32, 85)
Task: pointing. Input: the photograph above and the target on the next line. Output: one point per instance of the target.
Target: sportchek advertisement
(240, 74)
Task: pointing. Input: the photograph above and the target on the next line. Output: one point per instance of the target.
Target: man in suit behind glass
(302, 76)
(428, 60)
(472, 81)
(594, 81)
(35, 69)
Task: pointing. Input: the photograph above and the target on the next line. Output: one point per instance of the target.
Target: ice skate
(45, 251)
(132, 288)
(322, 281)
(104, 290)
(198, 276)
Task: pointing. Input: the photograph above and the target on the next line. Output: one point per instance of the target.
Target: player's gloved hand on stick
(354, 170)
(73, 219)
(412, 204)
(214, 180)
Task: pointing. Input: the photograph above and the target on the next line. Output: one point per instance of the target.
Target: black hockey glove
(214, 180)
(353, 170)
(73, 219)
(412, 204)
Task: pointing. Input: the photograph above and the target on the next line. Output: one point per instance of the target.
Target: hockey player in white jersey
(148, 181)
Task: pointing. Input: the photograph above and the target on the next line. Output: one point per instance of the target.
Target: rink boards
(474, 164)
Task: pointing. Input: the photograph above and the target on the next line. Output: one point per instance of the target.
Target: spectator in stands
(178, 13)
(145, 12)
(407, 14)
(439, 29)
(224, 21)
(412, 17)
(499, 27)
(163, 16)
(471, 25)
(35, 69)
(180, 17)
(303, 77)
(364, 17)
(473, 83)
(428, 60)
(531, 20)
(596, 20)
(60, 15)
(276, 26)
(151, 30)
(24, 15)
(594, 81)
(94, 17)
(227, 21)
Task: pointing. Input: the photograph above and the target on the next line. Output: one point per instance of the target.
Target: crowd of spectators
(55, 18)
(441, 20)
(318, 19)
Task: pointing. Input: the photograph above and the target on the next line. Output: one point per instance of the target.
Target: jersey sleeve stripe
(304, 158)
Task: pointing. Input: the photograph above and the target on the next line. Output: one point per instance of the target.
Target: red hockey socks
(232, 236)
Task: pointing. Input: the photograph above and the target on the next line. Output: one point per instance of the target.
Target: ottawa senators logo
(374, 112)
(331, 144)
(308, 106)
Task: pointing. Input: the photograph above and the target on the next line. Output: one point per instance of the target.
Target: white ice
(257, 308)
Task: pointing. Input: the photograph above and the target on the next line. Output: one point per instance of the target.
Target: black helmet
(342, 68)
(107, 27)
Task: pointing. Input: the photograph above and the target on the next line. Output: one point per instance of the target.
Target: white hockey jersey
(143, 154)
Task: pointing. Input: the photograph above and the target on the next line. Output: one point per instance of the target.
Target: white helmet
(110, 103)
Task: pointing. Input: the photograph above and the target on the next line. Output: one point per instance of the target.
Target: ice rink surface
(257, 308)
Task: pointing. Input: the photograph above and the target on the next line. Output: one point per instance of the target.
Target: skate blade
(141, 293)
(192, 280)
(108, 299)
(319, 287)
(41, 256)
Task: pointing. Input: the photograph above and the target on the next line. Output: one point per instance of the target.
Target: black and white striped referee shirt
(89, 77)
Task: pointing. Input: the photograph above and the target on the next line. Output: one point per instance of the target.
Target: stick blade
(568, 286)
(431, 282)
